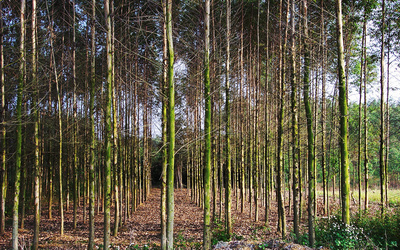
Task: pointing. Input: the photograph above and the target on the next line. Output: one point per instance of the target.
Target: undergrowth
(219, 233)
(366, 231)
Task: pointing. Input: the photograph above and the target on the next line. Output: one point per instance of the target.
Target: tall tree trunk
(345, 180)
(267, 165)
(279, 155)
(365, 140)
(74, 121)
(116, 166)
(323, 112)
(3, 169)
(295, 126)
(207, 130)
(92, 129)
(382, 149)
(228, 191)
(383, 109)
(60, 180)
(170, 131)
(360, 137)
(108, 127)
(60, 144)
(164, 100)
(19, 128)
(36, 131)
(310, 133)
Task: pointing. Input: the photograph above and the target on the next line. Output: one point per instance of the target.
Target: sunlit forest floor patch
(143, 226)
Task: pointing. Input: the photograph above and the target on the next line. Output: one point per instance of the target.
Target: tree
(36, 131)
(3, 169)
(17, 169)
(310, 133)
(207, 130)
(279, 154)
(170, 130)
(295, 143)
(164, 119)
(382, 153)
(108, 124)
(345, 179)
(92, 157)
(228, 192)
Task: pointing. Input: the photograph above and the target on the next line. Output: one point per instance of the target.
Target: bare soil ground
(143, 226)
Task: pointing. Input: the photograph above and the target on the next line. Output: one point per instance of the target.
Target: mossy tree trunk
(345, 179)
(207, 130)
(164, 100)
(3, 169)
(36, 132)
(92, 159)
(170, 130)
(17, 169)
(108, 127)
(228, 191)
(310, 133)
(295, 128)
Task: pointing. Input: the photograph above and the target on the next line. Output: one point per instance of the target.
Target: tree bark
(36, 132)
(295, 128)
(170, 131)
(92, 129)
(228, 191)
(108, 127)
(19, 128)
(3, 173)
(207, 130)
(345, 180)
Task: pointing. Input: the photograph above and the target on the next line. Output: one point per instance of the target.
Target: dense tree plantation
(283, 112)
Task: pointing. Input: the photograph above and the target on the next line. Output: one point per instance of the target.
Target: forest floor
(143, 226)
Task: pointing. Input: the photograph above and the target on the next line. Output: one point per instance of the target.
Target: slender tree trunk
(164, 99)
(116, 160)
(60, 143)
(382, 149)
(3, 169)
(310, 133)
(92, 129)
(74, 121)
(323, 112)
(360, 137)
(228, 192)
(345, 180)
(365, 139)
(19, 128)
(36, 132)
(108, 127)
(279, 155)
(207, 130)
(170, 131)
(295, 128)
(267, 165)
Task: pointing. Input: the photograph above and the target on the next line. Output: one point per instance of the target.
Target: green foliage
(138, 247)
(384, 231)
(366, 231)
(131, 247)
(335, 234)
(219, 233)
(181, 242)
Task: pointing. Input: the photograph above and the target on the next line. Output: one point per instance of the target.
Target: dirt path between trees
(143, 227)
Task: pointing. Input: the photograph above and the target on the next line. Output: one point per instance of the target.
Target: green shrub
(366, 231)
(384, 231)
(219, 233)
(335, 234)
